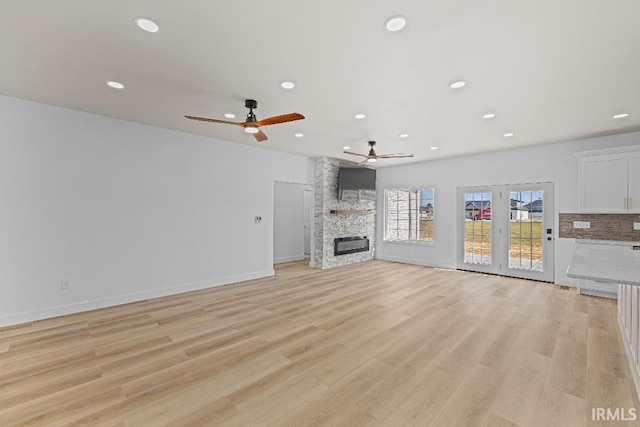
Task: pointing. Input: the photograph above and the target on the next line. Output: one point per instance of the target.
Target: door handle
(625, 203)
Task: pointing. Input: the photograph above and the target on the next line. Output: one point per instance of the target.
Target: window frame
(385, 234)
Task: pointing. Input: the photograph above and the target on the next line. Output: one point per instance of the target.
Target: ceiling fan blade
(355, 154)
(279, 119)
(204, 119)
(260, 136)
(394, 156)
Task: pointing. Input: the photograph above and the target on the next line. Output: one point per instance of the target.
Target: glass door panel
(507, 230)
(477, 228)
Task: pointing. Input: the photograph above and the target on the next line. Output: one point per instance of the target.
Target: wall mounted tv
(356, 183)
(356, 179)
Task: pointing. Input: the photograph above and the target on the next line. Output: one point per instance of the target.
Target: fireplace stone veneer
(335, 218)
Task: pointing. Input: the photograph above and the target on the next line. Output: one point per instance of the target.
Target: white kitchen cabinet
(634, 182)
(610, 183)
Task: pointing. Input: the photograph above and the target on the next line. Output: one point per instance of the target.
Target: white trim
(603, 151)
(414, 261)
(62, 310)
(632, 364)
(290, 258)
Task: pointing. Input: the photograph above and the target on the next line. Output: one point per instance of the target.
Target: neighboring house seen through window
(409, 215)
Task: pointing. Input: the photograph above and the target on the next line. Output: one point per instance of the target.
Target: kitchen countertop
(606, 261)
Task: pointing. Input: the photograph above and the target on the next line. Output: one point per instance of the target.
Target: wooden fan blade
(260, 136)
(204, 119)
(279, 119)
(355, 154)
(394, 156)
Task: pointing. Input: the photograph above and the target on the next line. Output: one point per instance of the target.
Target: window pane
(477, 228)
(409, 214)
(526, 237)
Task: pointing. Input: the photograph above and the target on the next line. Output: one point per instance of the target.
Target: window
(409, 215)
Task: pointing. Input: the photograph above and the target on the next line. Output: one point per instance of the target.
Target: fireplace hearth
(349, 245)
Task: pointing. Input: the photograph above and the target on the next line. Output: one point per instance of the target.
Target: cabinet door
(603, 182)
(634, 183)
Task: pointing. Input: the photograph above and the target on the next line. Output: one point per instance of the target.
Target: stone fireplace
(351, 222)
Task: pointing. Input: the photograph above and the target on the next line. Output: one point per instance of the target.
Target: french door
(507, 230)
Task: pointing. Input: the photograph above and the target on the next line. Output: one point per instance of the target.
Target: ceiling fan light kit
(252, 125)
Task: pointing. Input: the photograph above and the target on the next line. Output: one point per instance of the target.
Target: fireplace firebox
(349, 245)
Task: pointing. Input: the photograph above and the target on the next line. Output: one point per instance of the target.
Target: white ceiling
(552, 70)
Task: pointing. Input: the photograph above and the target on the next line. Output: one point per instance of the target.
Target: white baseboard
(290, 259)
(62, 310)
(416, 262)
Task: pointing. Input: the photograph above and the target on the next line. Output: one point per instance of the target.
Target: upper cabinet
(610, 183)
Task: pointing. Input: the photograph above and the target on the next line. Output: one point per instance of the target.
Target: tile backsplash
(601, 226)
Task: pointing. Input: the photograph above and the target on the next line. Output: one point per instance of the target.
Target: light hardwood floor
(378, 343)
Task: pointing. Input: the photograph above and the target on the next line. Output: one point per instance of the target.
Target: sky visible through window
(426, 197)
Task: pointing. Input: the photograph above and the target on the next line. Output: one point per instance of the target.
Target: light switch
(581, 224)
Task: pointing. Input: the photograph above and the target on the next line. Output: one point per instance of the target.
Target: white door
(307, 220)
(508, 230)
(478, 229)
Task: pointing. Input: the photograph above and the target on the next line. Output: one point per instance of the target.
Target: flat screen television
(356, 179)
(356, 184)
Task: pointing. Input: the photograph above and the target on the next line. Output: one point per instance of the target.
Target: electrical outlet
(636, 225)
(65, 283)
(258, 219)
(581, 224)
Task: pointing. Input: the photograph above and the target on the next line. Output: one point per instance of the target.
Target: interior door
(507, 230)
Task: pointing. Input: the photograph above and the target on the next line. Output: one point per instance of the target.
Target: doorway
(507, 230)
(292, 221)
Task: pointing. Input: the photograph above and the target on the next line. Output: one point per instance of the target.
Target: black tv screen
(356, 179)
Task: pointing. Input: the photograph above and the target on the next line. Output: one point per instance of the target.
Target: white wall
(553, 162)
(126, 211)
(288, 222)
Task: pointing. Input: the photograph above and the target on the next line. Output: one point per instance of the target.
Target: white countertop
(606, 261)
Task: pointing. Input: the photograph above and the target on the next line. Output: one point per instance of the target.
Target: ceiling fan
(252, 125)
(372, 156)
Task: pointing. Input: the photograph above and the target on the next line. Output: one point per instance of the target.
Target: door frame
(501, 229)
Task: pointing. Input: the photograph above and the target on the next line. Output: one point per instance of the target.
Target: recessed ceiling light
(434, 148)
(299, 135)
(404, 135)
(115, 85)
(621, 116)
(489, 116)
(360, 116)
(251, 129)
(395, 23)
(509, 134)
(458, 84)
(372, 160)
(230, 115)
(346, 147)
(147, 25)
(287, 85)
